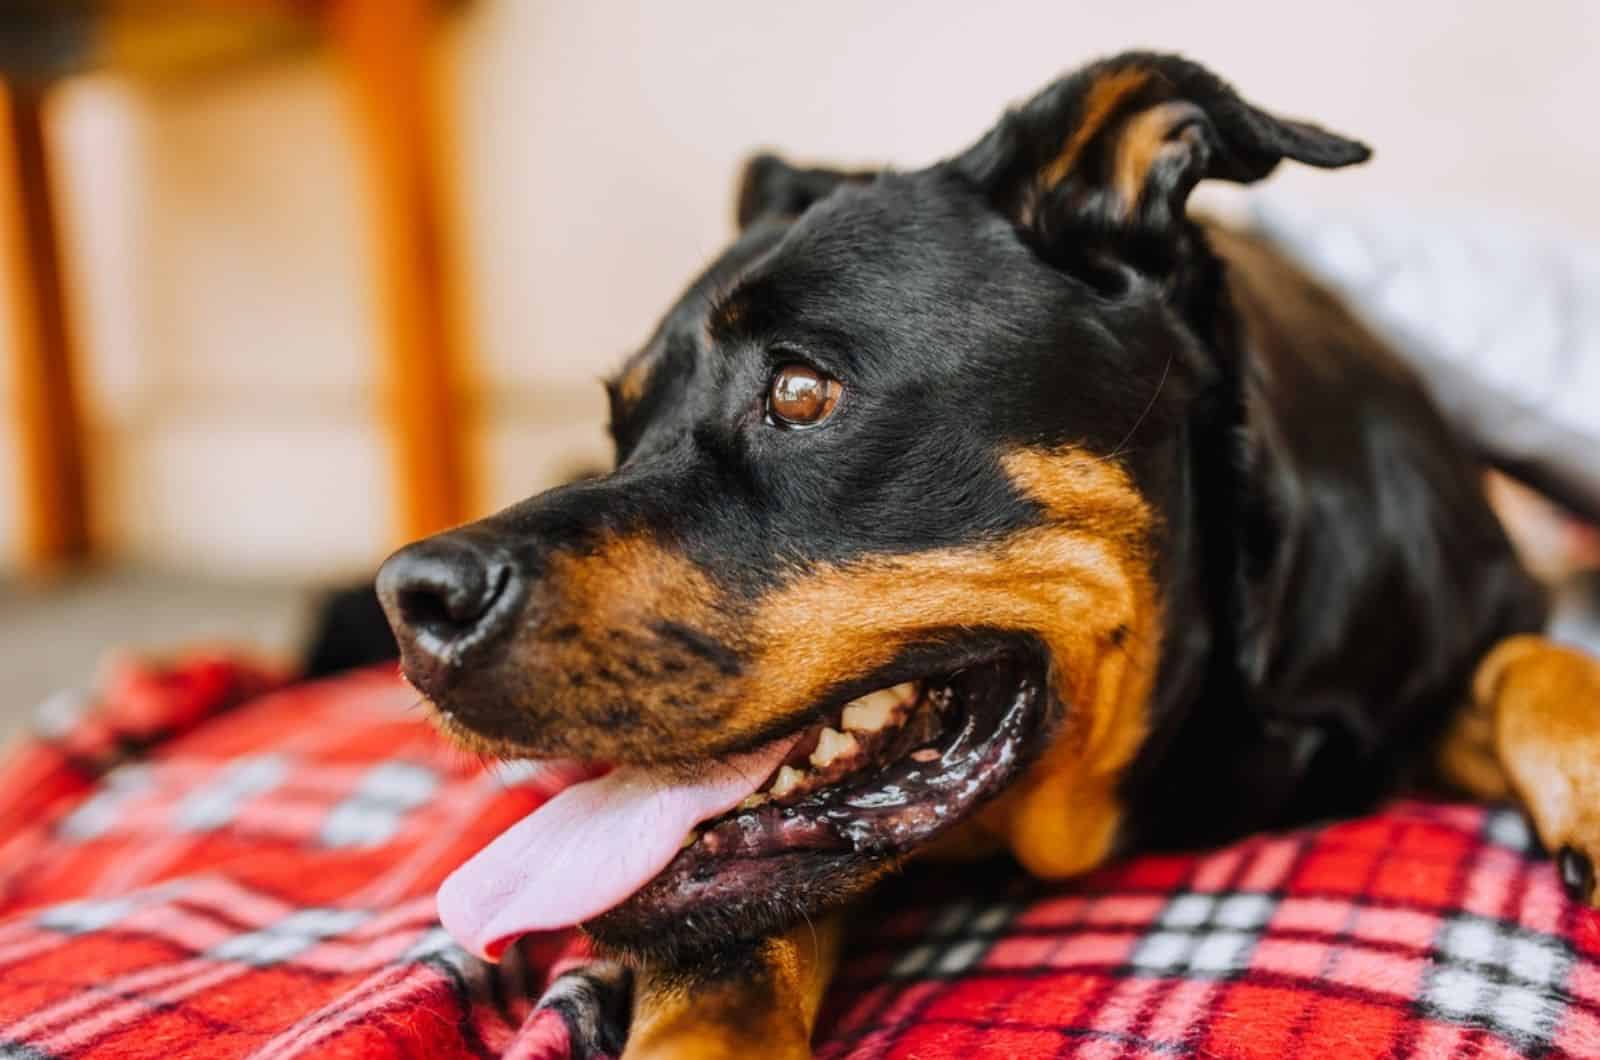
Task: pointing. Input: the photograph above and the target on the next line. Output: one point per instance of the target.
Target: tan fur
(1468, 759)
(597, 655)
(1533, 728)
(1140, 142)
(768, 1013)
(1104, 98)
(634, 379)
(1128, 143)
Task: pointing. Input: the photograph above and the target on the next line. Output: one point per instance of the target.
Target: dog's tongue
(588, 849)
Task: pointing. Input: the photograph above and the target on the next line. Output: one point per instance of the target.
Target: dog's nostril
(460, 603)
(445, 594)
(431, 609)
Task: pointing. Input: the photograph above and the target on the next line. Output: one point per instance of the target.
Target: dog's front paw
(1545, 703)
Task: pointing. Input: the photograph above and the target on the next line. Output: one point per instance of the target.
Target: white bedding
(1502, 322)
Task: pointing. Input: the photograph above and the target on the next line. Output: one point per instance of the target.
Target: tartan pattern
(1428, 930)
(192, 866)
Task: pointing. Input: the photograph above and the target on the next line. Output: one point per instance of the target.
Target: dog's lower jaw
(800, 851)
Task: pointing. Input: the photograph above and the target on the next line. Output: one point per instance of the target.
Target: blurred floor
(53, 637)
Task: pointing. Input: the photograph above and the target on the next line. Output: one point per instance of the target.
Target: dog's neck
(1203, 489)
(1201, 701)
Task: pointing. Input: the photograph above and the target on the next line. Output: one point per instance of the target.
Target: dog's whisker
(1149, 407)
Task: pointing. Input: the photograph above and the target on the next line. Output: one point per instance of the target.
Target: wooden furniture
(384, 47)
(49, 415)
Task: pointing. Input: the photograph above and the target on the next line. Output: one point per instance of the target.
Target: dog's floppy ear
(1119, 145)
(769, 187)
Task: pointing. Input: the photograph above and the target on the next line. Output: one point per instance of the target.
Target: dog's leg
(767, 1010)
(1533, 730)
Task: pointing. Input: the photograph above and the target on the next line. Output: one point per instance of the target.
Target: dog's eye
(801, 396)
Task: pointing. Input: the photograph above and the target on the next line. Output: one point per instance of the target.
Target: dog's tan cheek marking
(1100, 105)
(1062, 818)
(1080, 582)
(598, 663)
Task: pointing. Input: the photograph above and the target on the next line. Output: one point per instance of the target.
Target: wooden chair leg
(48, 410)
(385, 46)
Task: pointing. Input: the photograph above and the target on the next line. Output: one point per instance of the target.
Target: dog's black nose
(446, 596)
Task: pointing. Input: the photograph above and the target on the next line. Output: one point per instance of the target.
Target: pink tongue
(588, 849)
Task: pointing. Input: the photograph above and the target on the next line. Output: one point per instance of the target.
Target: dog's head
(888, 528)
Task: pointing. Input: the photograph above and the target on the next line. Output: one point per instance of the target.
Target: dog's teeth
(752, 801)
(925, 754)
(877, 709)
(831, 746)
(688, 840)
(787, 780)
(871, 712)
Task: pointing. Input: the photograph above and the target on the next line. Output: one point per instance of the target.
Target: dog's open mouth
(881, 776)
(631, 853)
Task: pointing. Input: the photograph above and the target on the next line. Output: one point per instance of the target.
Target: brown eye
(801, 396)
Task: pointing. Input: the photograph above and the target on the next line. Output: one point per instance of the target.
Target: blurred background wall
(220, 289)
(225, 297)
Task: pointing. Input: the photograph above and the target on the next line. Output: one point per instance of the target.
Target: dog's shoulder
(1365, 573)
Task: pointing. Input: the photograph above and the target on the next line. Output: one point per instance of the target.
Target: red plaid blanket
(192, 868)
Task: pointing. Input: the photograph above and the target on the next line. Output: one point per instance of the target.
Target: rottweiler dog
(1001, 505)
